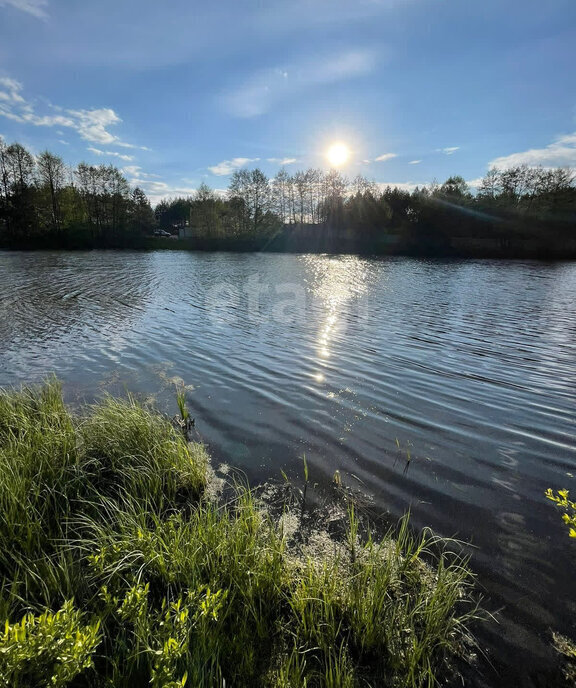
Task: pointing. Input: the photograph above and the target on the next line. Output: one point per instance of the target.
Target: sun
(338, 154)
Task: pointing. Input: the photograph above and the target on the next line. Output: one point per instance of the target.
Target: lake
(468, 367)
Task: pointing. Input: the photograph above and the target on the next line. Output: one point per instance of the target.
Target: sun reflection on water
(334, 283)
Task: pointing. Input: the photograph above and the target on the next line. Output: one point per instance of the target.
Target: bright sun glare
(338, 154)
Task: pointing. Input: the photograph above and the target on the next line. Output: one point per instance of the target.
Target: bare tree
(281, 195)
(20, 166)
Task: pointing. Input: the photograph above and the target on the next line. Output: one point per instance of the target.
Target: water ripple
(469, 366)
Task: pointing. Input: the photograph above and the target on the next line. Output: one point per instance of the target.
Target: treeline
(522, 207)
(45, 203)
(519, 211)
(255, 204)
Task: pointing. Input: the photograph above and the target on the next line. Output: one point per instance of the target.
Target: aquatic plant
(106, 512)
(561, 499)
(185, 420)
(565, 646)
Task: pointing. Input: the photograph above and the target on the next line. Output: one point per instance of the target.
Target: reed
(118, 570)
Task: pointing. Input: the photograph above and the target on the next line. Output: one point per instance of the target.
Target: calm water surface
(470, 366)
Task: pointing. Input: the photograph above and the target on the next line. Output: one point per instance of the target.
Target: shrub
(569, 516)
(47, 650)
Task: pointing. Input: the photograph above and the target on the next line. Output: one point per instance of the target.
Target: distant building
(186, 232)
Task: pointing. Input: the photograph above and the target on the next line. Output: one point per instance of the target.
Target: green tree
(252, 201)
(455, 188)
(206, 212)
(141, 217)
(51, 177)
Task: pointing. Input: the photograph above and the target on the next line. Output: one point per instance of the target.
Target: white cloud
(91, 125)
(267, 88)
(123, 144)
(415, 162)
(284, 161)
(404, 186)
(474, 183)
(127, 158)
(385, 156)
(158, 190)
(34, 7)
(448, 151)
(10, 92)
(151, 184)
(559, 153)
(228, 166)
(136, 172)
(157, 39)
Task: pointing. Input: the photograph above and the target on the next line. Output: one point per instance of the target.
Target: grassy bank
(118, 569)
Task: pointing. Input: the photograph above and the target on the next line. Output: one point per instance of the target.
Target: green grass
(118, 570)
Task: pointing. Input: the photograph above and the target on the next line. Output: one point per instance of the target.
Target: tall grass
(118, 570)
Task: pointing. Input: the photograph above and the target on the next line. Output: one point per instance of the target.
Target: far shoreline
(459, 248)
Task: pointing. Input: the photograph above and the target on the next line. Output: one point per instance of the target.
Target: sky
(181, 92)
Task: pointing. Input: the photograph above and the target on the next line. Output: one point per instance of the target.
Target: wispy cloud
(151, 183)
(132, 170)
(228, 166)
(159, 190)
(404, 186)
(37, 8)
(91, 125)
(288, 16)
(123, 144)
(559, 153)
(114, 154)
(415, 162)
(10, 92)
(448, 151)
(385, 156)
(283, 161)
(267, 88)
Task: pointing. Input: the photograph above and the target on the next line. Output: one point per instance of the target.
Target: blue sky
(179, 92)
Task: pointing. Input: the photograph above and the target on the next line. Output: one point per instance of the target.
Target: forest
(45, 203)
(522, 210)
